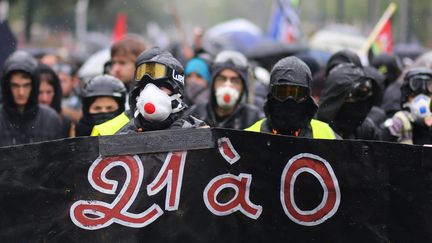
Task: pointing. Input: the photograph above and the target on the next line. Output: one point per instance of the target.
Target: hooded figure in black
(388, 65)
(289, 107)
(227, 107)
(341, 57)
(156, 98)
(346, 100)
(29, 122)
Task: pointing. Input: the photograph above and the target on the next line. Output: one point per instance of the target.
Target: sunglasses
(421, 84)
(157, 71)
(284, 92)
(360, 90)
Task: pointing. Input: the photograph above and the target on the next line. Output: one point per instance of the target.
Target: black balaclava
(351, 116)
(342, 116)
(289, 116)
(159, 56)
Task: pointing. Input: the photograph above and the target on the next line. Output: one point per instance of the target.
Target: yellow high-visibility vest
(110, 127)
(320, 130)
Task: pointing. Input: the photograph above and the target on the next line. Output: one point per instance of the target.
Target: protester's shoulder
(197, 108)
(129, 128)
(47, 112)
(251, 108)
(188, 121)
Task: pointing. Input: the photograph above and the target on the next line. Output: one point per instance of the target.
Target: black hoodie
(290, 71)
(35, 123)
(333, 96)
(244, 114)
(341, 57)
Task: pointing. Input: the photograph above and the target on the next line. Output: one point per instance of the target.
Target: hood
(45, 72)
(388, 65)
(379, 80)
(243, 73)
(159, 56)
(292, 71)
(336, 89)
(340, 57)
(19, 62)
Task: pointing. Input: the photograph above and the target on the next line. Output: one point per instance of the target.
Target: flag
(120, 27)
(285, 22)
(7, 42)
(381, 37)
(384, 40)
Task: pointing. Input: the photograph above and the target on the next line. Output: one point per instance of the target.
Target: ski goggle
(283, 92)
(421, 84)
(360, 91)
(230, 56)
(157, 71)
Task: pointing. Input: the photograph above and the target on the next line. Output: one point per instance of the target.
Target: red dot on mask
(149, 108)
(227, 98)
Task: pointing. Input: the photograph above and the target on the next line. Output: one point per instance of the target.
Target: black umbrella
(267, 52)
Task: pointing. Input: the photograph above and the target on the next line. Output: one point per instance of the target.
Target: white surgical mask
(156, 105)
(227, 97)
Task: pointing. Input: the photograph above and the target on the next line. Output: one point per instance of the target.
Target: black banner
(215, 185)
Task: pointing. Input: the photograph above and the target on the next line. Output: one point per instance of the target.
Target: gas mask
(155, 105)
(227, 97)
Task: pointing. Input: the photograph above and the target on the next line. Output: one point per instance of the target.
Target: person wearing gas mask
(346, 100)
(103, 99)
(227, 107)
(412, 124)
(289, 107)
(156, 99)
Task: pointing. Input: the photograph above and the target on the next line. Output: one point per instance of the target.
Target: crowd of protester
(144, 88)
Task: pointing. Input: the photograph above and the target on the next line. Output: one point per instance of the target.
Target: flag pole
(384, 18)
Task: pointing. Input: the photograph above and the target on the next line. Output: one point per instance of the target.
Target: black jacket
(333, 96)
(243, 117)
(185, 122)
(35, 123)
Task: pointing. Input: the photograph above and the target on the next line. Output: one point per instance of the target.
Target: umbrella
(94, 65)
(237, 34)
(267, 51)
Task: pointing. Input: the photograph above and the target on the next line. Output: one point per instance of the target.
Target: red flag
(384, 40)
(120, 27)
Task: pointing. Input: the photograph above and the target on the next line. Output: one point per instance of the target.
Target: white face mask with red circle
(156, 105)
(227, 97)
